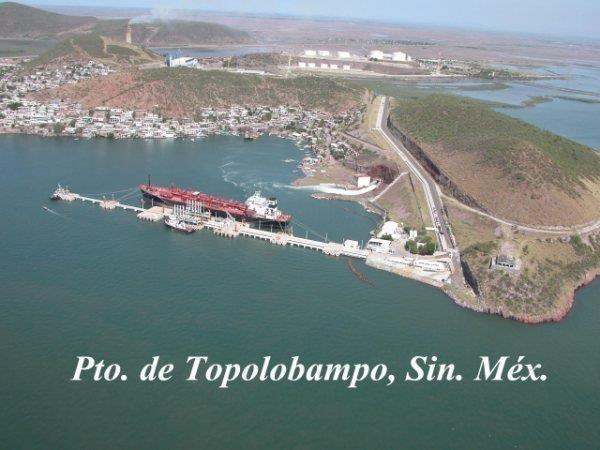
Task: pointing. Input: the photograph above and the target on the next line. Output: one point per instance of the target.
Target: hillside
(179, 91)
(20, 21)
(500, 164)
(24, 22)
(93, 46)
(159, 33)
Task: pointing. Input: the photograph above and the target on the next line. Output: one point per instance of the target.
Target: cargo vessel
(258, 210)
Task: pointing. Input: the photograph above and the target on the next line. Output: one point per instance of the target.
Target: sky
(577, 18)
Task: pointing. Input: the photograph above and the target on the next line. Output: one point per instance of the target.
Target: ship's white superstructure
(263, 207)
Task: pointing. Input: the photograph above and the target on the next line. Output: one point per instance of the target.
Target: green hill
(509, 167)
(20, 21)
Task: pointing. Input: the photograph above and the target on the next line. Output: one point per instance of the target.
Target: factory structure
(181, 61)
(128, 33)
(342, 59)
(378, 55)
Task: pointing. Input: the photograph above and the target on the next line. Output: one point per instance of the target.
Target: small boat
(178, 224)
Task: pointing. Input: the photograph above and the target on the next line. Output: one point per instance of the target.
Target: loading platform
(222, 227)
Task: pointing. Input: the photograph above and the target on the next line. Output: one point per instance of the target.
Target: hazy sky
(554, 17)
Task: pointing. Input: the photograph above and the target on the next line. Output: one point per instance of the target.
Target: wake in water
(248, 181)
(62, 216)
(51, 211)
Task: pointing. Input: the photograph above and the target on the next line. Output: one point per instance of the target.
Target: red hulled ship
(255, 209)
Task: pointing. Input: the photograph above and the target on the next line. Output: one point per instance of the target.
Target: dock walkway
(229, 228)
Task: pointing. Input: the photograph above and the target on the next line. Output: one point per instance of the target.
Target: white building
(333, 66)
(379, 245)
(343, 55)
(350, 244)
(183, 61)
(376, 54)
(323, 53)
(346, 67)
(310, 53)
(312, 65)
(401, 56)
(362, 180)
(324, 65)
(301, 64)
(390, 228)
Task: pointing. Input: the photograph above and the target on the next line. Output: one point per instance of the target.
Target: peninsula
(499, 214)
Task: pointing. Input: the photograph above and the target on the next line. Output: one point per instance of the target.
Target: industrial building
(182, 61)
(378, 55)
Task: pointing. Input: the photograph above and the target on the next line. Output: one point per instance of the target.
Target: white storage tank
(376, 54)
(400, 56)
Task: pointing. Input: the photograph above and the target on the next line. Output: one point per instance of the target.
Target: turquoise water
(85, 281)
(571, 107)
(564, 113)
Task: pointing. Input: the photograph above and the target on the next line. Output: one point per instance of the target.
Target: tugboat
(178, 224)
(61, 193)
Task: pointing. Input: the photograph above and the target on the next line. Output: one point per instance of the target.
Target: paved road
(432, 193)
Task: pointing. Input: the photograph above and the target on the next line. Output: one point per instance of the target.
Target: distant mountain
(20, 21)
(25, 22)
(178, 32)
(92, 46)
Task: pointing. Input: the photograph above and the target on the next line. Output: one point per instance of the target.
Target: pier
(433, 271)
(227, 227)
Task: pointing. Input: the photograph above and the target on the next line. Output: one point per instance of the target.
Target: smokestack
(128, 34)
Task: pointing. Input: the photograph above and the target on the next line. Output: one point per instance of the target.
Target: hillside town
(21, 114)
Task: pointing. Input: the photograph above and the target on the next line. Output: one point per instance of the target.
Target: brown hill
(500, 164)
(20, 21)
(85, 47)
(179, 32)
(179, 91)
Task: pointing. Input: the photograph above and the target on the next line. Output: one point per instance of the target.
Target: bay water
(79, 280)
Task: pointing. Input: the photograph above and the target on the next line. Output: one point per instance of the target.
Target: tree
(58, 128)
(14, 105)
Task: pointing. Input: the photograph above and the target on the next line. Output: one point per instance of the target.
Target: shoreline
(567, 300)
(561, 312)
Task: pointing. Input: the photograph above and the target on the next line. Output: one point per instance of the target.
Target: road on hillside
(432, 193)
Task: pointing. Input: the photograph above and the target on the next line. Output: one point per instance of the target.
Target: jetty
(225, 227)
(193, 217)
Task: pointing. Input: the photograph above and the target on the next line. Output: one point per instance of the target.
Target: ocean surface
(568, 106)
(79, 280)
